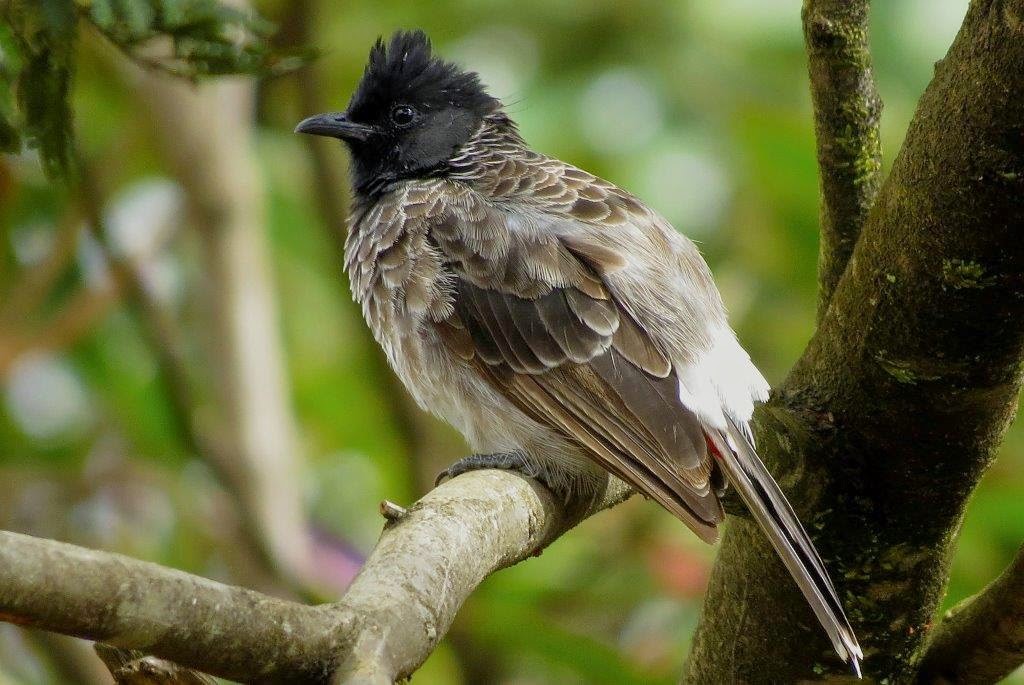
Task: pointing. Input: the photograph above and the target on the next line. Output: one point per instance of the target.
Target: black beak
(334, 125)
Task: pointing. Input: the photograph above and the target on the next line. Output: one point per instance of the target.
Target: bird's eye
(403, 115)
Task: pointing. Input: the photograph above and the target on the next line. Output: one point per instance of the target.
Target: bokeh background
(183, 377)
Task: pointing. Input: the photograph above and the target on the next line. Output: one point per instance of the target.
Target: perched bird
(565, 328)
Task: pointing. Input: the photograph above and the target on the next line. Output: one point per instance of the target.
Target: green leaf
(103, 14)
(139, 17)
(209, 38)
(43, 89)
(43, 32)
(10, 139)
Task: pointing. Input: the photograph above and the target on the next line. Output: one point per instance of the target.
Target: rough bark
(429, 559)
(224, 630)
(886, 423)
(982, 639)
(847, 109)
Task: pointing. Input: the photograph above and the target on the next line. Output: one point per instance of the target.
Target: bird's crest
(404, 70)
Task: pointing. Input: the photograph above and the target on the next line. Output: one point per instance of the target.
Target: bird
(565, 328)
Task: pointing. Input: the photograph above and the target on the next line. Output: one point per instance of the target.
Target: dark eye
(403, 115)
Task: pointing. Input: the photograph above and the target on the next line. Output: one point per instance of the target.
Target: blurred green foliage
(700, 108)
(37, 41)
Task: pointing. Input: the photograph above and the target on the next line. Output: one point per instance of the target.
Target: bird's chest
(398, 278)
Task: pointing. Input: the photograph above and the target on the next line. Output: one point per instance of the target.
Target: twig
(392, 511)
(393, 615)
(132, 667)
(847, 109)
(981, 640)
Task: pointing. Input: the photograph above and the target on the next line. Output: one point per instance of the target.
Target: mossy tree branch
(982, 639)
(885, 425)
(847, 109)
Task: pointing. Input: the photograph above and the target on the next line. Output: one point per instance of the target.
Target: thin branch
(394, 614)
(981, 640)
(76, 318)
(847, 109)
(132, 667)
(429, 561)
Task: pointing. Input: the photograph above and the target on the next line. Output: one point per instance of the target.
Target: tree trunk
(885, 425)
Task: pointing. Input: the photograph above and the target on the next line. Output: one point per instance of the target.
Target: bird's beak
(334, 125)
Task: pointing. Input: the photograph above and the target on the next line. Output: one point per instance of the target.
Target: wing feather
(546, 331)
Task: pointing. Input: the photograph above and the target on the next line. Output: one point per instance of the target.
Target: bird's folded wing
(532, 313)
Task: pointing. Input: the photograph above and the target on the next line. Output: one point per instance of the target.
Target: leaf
(43, 31)
(42, 91)
(209, 38)
(10, 139)
(139, 17)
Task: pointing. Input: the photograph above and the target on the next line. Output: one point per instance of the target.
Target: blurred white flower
(92, 262)
(31, 241)
(142, 217)
(139, 222)
(620, 111)
(688, 185)
(45, 396)
(506, 57)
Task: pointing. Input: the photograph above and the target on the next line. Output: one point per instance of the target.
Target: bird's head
(409, 114)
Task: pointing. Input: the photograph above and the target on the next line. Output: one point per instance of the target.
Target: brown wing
(533, 314)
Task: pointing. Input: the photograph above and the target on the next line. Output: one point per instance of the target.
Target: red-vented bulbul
(565, 328)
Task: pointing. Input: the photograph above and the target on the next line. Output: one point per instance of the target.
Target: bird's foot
(509, 461)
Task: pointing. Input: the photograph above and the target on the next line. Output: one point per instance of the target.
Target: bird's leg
(565, 484)
(515, 460)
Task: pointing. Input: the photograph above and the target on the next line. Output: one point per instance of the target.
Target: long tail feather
(772, 511)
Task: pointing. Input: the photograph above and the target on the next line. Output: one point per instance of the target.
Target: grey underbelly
(448, 387)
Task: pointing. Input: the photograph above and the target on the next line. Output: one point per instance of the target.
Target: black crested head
(405, 72)
(409, 114)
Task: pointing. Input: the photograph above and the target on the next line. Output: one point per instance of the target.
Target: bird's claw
(509, 461)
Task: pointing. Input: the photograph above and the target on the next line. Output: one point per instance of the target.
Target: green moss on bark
(847, 109)
(900, 400)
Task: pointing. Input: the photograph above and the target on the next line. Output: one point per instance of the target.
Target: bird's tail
(773, 513)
